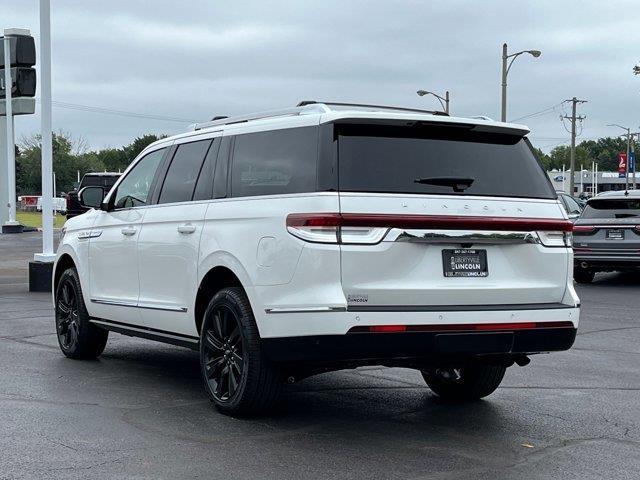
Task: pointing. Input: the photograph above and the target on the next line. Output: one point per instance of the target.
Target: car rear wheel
(581, 275)
(237, 376)
(77, 337)
(467, 383)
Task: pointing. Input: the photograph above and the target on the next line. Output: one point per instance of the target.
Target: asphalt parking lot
(140, 410)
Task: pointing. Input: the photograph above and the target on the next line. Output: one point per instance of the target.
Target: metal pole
(11, 150)
(47, 254)
(572, 164)
(446, 102)
(626, 173)
(503, 115)
(596, 192)
(634, 163)
(563, 179)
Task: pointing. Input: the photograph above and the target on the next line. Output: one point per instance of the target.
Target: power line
(541, 112)
(121, 113)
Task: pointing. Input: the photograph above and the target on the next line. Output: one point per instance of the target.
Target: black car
(606, 237)
(93, 179)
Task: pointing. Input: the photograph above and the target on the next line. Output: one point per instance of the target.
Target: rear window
(428, 159)
(612, 208)
(98, 181)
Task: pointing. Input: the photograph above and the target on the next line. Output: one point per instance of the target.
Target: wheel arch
(216, 278)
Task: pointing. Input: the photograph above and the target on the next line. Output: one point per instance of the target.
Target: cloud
(199, 58)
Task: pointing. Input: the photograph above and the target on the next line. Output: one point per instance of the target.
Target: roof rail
(299, 110)
(304, 108)
(364, 105)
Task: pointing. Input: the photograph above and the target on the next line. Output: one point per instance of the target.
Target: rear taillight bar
(441, 222)
(464, 327)
(371, 228)
(584, 229)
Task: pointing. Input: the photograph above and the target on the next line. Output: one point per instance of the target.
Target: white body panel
(168, 265)
(403, 273)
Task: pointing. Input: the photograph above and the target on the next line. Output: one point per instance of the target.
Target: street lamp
(506, 66)
(444, 101)
(628, 134)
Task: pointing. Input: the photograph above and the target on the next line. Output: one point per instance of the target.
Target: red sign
(622, 164)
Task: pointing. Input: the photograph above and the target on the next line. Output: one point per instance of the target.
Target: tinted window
(99, 181)
(428, 159)
(572, 205)
(133, 191)
(613, 208)
(183, 172)
(204, 186)
(275, 162)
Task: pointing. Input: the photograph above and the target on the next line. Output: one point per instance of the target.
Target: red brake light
(584, 228)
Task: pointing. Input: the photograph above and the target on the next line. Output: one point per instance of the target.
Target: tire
(581, 275)
(238, 377)
(474, 382)
(77, 337)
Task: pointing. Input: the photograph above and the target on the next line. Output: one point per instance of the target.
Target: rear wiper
(459, 184)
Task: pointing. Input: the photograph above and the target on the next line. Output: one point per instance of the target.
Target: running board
(147, 333)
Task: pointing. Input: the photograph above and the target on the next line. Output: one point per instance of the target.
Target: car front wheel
(467, 383)
(237, 376)
(77, 337)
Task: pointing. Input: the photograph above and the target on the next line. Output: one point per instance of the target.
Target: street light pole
(506, 66)
(626, 169)
(441, 99)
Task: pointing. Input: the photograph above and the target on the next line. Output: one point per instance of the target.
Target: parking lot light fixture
(444, 101)
(506, 66)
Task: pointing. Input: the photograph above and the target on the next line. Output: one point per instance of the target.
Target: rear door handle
(186, 228)
(128, 231)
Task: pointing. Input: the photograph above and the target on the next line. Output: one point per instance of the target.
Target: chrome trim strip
(145, 306)
(89, 234)
(305, 309)
(140, 329)
(461, 236)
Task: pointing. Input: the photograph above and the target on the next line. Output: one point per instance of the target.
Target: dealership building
(587, 181)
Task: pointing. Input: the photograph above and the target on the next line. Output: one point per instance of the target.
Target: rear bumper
(342, 336)
(611, 262)
(417, 347)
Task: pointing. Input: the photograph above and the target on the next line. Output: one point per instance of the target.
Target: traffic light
(22, 53)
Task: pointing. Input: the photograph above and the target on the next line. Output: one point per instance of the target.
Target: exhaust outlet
(584, 265)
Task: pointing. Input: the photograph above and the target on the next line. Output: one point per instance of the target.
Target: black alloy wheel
(223, 354)
(238, 377)
(77, 336)
(67, 315)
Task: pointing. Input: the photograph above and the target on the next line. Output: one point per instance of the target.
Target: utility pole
(572, 167)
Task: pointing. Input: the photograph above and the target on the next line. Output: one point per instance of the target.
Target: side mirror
(91, 197)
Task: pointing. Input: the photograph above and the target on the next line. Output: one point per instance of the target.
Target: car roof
(102, 174)
(618, 194)
(315, 113)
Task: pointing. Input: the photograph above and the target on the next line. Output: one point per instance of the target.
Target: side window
(133, 191)
(275, 162)
(572, 205)
(183, 172)
(204, 185)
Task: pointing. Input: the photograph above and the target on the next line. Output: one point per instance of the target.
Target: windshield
(430, 159)
(612, 208)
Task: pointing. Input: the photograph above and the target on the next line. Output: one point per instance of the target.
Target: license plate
(616, 234)
(464, 262)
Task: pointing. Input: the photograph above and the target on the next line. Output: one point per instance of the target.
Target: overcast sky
(193, 59)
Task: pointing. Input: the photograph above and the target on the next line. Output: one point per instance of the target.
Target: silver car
(606, 237)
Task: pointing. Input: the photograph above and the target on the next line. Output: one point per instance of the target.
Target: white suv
(322, 237)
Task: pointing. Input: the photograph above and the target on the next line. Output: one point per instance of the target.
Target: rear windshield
(98, 181)
(612, 208)
(428, 159)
